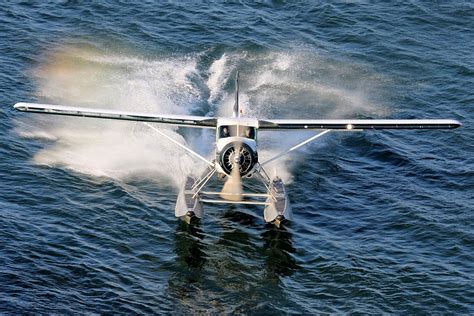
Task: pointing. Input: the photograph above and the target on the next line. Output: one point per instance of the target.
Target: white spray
(284, 85)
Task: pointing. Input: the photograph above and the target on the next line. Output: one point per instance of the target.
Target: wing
(356, 124)
(179, 120)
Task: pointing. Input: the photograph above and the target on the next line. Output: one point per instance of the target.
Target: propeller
(232, 189)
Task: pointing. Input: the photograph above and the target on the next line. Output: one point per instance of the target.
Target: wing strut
(192, 152)
(295, 147)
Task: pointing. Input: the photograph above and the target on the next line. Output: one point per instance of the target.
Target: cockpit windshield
(236, 130)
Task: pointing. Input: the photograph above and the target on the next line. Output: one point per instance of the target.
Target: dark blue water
(383, 220)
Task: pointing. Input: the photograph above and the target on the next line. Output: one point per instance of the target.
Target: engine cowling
(247, 158)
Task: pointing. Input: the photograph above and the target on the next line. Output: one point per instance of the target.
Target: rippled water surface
(383, 220)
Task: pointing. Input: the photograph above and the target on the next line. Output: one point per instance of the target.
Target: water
(383, 220)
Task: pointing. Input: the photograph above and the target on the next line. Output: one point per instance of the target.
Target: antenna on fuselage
(236, 104)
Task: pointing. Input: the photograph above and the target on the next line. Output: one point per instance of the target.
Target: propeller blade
(232, 189)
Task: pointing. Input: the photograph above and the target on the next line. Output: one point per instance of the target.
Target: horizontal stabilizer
(179, 120)
(356, 124)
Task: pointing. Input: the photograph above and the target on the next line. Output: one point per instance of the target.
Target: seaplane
(236, 152)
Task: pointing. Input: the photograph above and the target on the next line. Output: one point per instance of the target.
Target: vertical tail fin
(236, 104)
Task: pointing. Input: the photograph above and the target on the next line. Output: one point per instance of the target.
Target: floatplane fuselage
(236, 152)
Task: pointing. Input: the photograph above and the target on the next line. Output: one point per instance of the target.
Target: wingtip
(20, 106)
